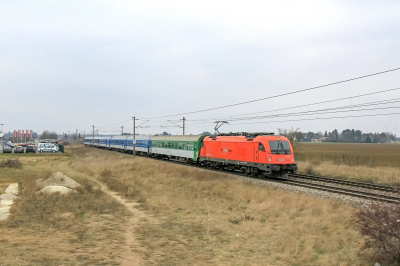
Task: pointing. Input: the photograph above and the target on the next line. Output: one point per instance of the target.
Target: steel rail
(347, 182)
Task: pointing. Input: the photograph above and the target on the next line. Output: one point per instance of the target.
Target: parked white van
(47, 147)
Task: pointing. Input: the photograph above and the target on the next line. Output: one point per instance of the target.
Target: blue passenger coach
(118, 143)
(143, 144)
(122, 143)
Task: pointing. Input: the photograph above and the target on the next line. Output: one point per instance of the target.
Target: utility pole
(134, 137)
(387, 137)
(122, 130)
(76, 136)
(84, 135)
(93, 137)
(183, 126)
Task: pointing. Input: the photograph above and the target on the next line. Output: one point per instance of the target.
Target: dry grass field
(187, 217)
(80, 229)
(378, 163)
(209, 218)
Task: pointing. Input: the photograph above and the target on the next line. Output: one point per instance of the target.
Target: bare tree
(292, 134)
(49, 135)
(380, 225)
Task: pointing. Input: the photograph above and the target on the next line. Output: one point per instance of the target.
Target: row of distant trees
(347, 135)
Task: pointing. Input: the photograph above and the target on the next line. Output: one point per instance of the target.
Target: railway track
(347, 182)
(300, 180)
(344, 191)
(323, 187)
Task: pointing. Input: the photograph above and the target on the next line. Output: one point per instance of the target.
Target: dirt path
(132, 254)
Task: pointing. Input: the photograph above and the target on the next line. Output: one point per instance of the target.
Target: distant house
(318, 138)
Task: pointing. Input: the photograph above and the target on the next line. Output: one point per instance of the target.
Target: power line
(297, 106)
(311, 111)
(114, 124)
(307, 119)
(279, 95)
(321, 118)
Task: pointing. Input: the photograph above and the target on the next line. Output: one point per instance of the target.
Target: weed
(11, 163)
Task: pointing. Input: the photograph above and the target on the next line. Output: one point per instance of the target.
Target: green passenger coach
(183, 148)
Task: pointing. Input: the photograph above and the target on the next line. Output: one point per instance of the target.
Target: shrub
(11, 163)
(380, 224)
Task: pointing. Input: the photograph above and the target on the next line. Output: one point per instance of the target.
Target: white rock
(12, 189)
(58, 179)
(6, 203)
(8, 197)
(56, 189)
(4, 215)
(5, 209)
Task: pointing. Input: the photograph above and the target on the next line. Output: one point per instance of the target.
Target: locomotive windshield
(279, 147)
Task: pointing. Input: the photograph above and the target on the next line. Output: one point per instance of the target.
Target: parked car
(30, 148)
(47, 147)
(6, 148)
(19, 149)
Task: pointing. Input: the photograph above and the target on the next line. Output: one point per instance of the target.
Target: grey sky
(67, 65)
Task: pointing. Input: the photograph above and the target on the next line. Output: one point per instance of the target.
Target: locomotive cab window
(279, 147)
(261, 147)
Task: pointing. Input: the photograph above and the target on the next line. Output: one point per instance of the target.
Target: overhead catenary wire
(306, 119)
(305, 112)
(203, 120)
(309, 113)
(304, 105)
(279, 95)
(297, 106)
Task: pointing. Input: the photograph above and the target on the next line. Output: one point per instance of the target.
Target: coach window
(180, 145)
(184, 146)
(195, 146)
(261, 147)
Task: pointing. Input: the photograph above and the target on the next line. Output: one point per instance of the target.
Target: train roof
(245, 139)
(98, 137)
(140, 137)
(178, 137)
(129, 137)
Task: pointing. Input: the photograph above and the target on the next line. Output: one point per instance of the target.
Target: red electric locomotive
(251, 153)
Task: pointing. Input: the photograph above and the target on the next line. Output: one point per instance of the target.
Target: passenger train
(261, 154)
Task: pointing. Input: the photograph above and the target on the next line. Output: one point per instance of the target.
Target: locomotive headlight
(292, 158)
(269, 159)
